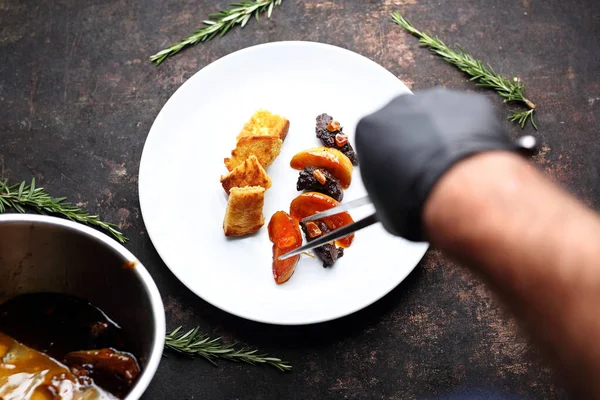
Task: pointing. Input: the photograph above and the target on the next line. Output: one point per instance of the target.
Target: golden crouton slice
(265, 123)
(249, 173)
(244, 214)
(265, 148)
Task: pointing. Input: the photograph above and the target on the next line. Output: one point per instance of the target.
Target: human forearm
(439, 165)
(534, 244)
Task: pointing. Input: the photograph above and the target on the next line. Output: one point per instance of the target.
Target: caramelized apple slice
(332, 160)
(285, 234)
(310, 203)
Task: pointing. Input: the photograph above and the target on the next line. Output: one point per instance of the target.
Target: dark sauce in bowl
(94, 349)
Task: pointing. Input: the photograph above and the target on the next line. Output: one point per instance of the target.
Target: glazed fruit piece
(332, 160)
(285, 235)
(105, 366)
(310, 203)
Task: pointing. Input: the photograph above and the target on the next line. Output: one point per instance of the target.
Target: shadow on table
(268, 335)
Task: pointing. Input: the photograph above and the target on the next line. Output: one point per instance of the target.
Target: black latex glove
(407, 146)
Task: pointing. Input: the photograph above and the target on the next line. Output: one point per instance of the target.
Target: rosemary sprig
(521, 117)
(193, 343)
(220, 23)
(511, 90)
(21, 196)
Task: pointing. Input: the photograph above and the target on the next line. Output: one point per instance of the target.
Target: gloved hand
(406, 147)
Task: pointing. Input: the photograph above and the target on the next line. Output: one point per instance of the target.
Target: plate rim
(226, 309)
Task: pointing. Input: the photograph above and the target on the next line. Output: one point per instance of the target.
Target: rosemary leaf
(521, 117)
(192, 343)
(22, 196)
(511, 90)
(220, 23)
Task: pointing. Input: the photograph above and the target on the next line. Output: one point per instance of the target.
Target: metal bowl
(47, 254)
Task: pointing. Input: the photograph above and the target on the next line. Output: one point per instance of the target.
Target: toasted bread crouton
(265, 123)
(249, 173)
(244, 214)
(265, 148)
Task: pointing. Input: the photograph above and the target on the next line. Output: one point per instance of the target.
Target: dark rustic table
(78, 97)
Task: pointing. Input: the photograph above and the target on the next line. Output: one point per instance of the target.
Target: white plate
(183, 203)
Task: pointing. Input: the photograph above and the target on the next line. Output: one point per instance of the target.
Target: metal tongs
(526, 145)
(338, 233)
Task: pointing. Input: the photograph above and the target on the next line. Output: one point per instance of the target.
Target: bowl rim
(158, 311)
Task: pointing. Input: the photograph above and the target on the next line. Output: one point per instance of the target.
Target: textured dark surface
(78, 97)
